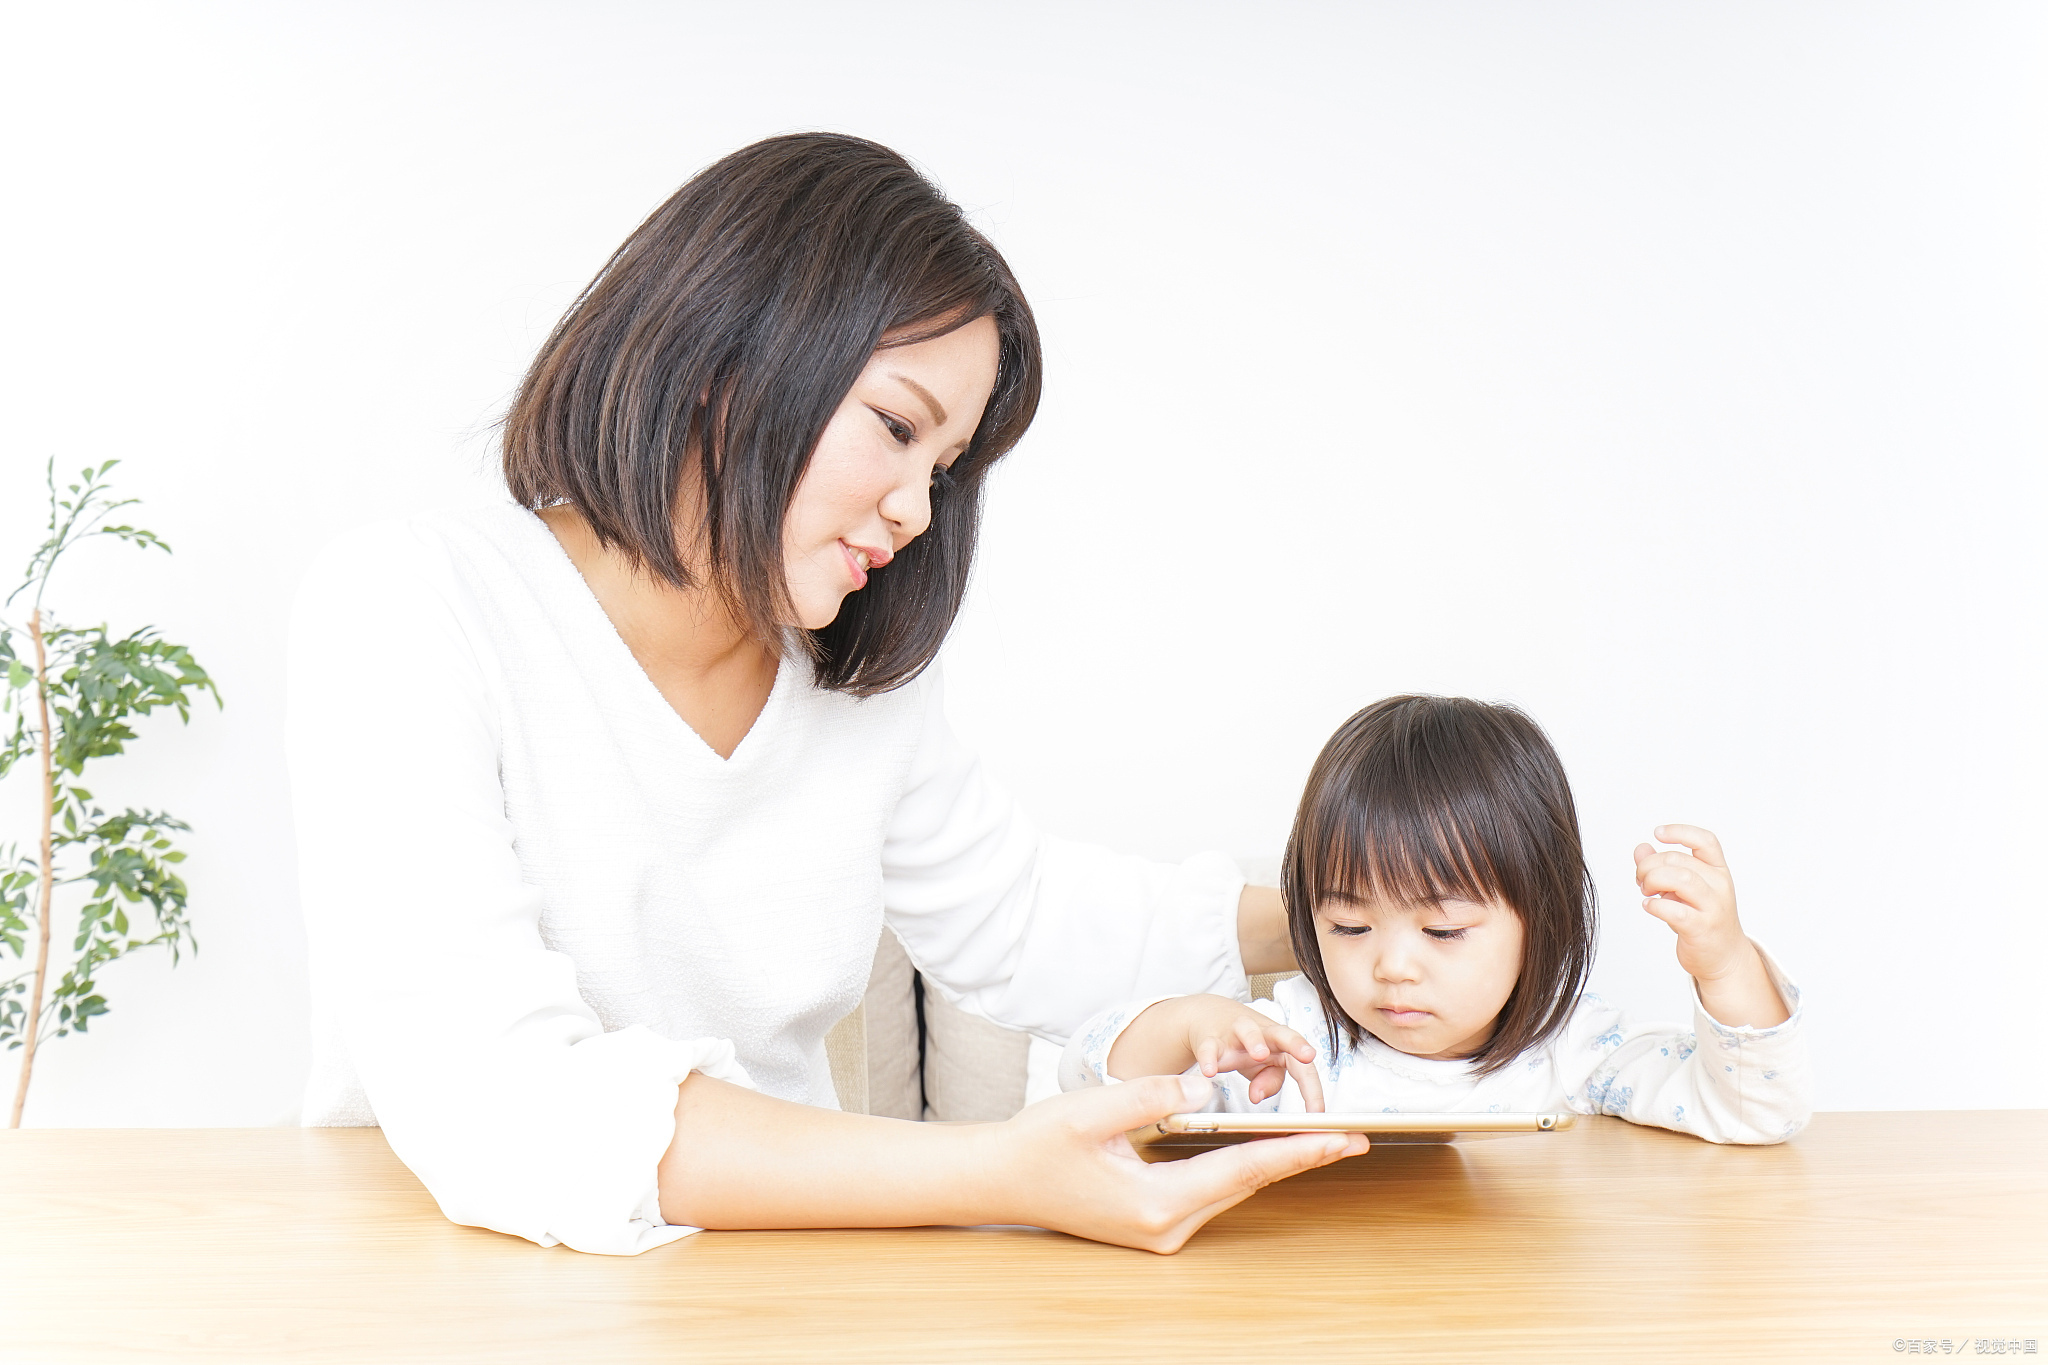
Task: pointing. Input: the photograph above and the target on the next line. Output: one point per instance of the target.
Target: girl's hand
(1694, 894)
(1064, 1163)
(1218, 1034)
(1227, 1036)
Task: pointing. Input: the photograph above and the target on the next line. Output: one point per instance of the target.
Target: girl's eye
(1445, 935)
(1351, 930)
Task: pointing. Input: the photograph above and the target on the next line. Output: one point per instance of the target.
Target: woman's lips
(861, 558)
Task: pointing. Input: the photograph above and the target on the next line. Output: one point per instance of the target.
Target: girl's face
(867, 490)
(1430, 979)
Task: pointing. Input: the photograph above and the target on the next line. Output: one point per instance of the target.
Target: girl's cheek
(1351, 981)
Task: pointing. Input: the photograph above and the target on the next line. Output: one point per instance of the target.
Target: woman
(600, 845)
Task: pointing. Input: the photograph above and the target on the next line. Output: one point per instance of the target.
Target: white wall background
(1671, 370)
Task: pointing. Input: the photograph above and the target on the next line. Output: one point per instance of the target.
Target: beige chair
(907, 1053)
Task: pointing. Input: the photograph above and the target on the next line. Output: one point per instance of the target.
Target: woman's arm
(1037, 932)
(1262, 935)
(438, 1003)
(743, 1160)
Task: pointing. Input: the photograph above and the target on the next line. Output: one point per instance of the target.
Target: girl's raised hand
(1693, 892)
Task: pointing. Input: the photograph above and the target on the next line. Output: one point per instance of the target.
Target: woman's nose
(907, 508)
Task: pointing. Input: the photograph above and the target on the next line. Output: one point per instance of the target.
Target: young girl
(1443, 919)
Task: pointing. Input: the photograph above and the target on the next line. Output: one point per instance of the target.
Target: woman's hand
(1694, 894)
(1217, 1034)
(1066, 1164)
(743, 1160)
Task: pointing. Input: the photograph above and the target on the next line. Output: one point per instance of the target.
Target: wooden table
(1605, 1243)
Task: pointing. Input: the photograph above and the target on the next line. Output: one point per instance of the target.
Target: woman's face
(867, 491)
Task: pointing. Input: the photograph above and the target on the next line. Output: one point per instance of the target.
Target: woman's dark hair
(1418, 799)
(716, 344)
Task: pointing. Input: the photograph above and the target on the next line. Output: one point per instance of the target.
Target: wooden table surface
(1605, 1243)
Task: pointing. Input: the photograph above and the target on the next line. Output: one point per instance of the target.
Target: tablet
(1207, 1130)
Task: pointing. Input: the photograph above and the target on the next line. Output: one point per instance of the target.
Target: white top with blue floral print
(1716, 1081)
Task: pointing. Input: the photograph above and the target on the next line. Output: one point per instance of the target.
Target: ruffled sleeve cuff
(1757, 1084)
(1085, 1061)
(1787, 993)
(576, 1158)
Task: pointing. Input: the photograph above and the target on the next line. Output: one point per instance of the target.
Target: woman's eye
(1445, 935)
(897, 429)
(942, 476)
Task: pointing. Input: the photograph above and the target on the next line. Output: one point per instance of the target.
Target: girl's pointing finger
(1310, 1082)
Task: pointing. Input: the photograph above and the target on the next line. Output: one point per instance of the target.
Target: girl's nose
(1394, 966)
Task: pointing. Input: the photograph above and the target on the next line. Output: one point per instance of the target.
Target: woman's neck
(712, 672)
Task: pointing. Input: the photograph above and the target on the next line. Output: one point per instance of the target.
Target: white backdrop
(1670, 370)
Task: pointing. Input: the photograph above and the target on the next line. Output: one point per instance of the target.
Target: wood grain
(1608, 1242)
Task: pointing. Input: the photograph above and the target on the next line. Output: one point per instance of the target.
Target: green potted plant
(72, 693)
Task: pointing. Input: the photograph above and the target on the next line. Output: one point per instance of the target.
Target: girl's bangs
(1390, 853)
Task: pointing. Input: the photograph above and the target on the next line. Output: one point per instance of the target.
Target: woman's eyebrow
(938, 411)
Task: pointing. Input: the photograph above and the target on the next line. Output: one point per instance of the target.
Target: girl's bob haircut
(1419, 799)
(698, 370)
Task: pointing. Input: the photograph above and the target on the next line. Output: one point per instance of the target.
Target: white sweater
(536, 900)
(1721, 1082)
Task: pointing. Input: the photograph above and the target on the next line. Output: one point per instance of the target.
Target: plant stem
(49, 873)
